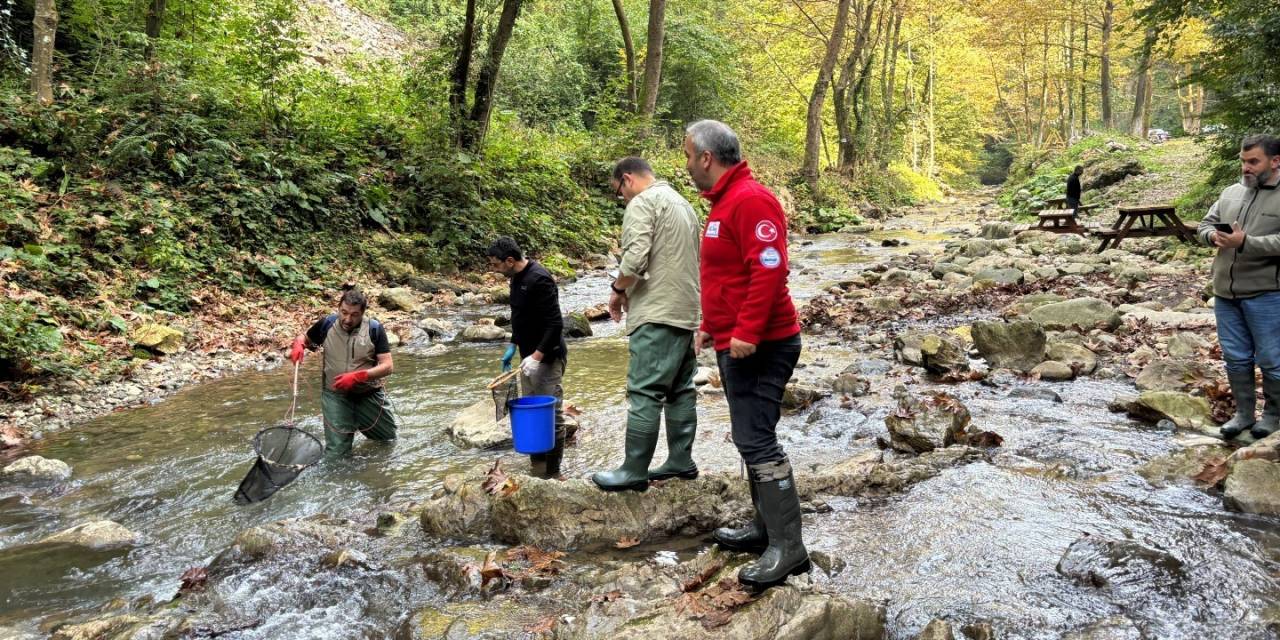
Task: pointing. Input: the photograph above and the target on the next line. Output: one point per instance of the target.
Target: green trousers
(660, 379)
(344, 416)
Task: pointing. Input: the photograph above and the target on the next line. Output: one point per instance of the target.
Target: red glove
(345, 381)
(299, 350)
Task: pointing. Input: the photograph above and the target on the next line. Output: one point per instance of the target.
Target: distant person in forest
(1244, 224)
(748, 315)
(657, 289)
(1073, 188)
(537, 332)
(357, 356)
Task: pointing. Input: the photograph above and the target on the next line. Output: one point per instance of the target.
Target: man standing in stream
(748, 315)
(1244, 224)
(657, 288)
(357, 356)
(537, 332)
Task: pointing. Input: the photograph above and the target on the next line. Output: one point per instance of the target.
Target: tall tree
(45, 30)
(653, 58)
(630, 51)
(813, 118)
(844, 99)
(474, 130)
(462, 71)
(155, 20)
(1104, 81)
(1139, 118)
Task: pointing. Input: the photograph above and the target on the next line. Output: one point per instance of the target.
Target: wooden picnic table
(1059, 221)
(1150, 221)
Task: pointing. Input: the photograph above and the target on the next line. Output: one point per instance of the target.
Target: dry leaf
(545, 563)
(1214, 471)
(572, 410)
(545, 625)
(626, 543)
(194, 580)
(497, 482)
(696, 582)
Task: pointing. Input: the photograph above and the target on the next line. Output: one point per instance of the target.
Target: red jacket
(744, 263)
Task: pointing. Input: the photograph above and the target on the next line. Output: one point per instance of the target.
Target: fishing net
(504, 389)
(284, 452)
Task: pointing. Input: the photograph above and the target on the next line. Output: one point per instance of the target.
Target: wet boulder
(1254, 487)
(597, 313)
(482, 333)
(937, 353)
(1034, 393)
(1016, 345)
(1186, 345)
(435, 327)
(576, 325)
(1127, 568)
(98, 535)
(1053, 371)
(1081, 360)
(937, 629)
(1171, 319)
(1022, 306)
(1175, 374)
(114, 627)
(397, 299)
(36, 469)
(977, 248)
(475, 427)
(293, 539)
(1185, 410)
(996, 230)
(917, 426)
(1113, 628)
(1267, 448)
(158, 338)
(1179, 467)
(999, 276)
(798, 397)
(850, 383)
(1081, 313)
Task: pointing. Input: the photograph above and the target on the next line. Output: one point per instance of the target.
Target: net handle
(293, 403)
(502, 379)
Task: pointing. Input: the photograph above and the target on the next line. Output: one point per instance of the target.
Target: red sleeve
(761, 229)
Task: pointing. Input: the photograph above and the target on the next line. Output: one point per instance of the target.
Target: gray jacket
(1254, 268)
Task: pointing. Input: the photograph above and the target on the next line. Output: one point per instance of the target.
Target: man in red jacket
(748, 315)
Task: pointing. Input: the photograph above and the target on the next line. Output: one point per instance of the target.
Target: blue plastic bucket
(533, 424)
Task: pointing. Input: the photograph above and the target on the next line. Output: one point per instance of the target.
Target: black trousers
(754, 386)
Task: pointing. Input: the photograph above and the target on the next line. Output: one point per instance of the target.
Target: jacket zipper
(1231, 273)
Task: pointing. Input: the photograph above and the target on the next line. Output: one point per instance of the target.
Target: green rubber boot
(749, 538)
(633, 475)
(1246, 403)
(1270, 421)
(682, 427)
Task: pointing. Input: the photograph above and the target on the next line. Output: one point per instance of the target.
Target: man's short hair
(633, 165)
(1270, 144)
(505, 247)
(716, 137)
(352, 296)
(1079, 169)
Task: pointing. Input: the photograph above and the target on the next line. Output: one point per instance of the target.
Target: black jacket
(1073, 188)
(536, 321)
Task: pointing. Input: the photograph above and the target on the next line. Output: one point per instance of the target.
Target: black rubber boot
(1270, 421)
(1246, 403)
(749, 538)
(633, 475)
(780, 508)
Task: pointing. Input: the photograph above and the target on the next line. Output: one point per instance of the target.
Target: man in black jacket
(537, 331)
(1073, 188)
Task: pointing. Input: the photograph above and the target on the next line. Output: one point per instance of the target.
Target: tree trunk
(813, 118)
(1142, 87)
(890, 118)
(930, 85)
(1108, 119)
(843, 99)
(630, 50)
(155, 20)
(474, 131)
(461, 71)
(45, 29)
(1084, 74)
(653, 58)
(1044, 88)
(1069, 115)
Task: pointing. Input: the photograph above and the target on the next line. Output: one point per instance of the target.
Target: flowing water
(980, 542)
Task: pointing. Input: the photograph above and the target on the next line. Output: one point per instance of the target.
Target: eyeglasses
(618, 192)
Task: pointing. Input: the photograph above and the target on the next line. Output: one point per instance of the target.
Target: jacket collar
(735, 173)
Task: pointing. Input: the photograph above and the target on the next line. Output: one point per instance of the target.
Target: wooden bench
(1059, 221)
(1151, 220)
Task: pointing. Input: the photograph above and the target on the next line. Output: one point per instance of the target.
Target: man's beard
(1253, 181)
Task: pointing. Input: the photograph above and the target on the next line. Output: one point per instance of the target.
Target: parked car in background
(1157, 136)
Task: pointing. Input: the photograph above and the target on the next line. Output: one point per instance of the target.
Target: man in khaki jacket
(657, 288)
(1244, 224)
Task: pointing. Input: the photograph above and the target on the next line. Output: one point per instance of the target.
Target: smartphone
(1223, 227)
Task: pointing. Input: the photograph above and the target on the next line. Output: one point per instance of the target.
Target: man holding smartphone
(1244, 224)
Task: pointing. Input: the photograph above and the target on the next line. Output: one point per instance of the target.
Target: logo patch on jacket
(766, 232)
(713, 229)
(770, 257)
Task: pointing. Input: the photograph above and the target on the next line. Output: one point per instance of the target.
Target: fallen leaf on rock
(541, 562)
(490, 571)
(194, 580)
(497, 482)
(696, 582)
(572, 410)
(626, 543)
(1214, 471)
(545, 625)
(607, 597)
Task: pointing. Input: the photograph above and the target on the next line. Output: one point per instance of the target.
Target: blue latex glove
(507, 356)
